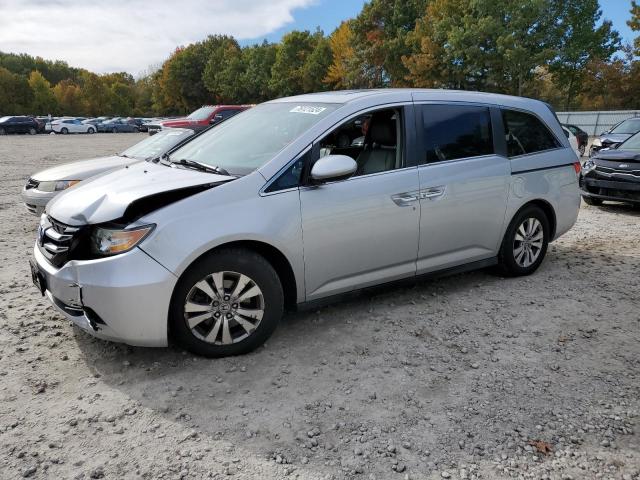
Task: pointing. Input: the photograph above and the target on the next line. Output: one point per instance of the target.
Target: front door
(363, 230)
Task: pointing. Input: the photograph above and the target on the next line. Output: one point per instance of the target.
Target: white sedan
(573, 141)
(69, 125)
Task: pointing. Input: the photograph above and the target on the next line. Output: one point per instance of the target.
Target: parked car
(143, 127)
(613, 174)
(200, 119)
(573, 141)
(617, 134)
(92, 121)
(581, 136)
(70, 125)
(43, 186)
(18, 124)
(117, 125)
(207, 244)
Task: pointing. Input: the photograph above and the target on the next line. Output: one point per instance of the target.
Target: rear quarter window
(525, 134)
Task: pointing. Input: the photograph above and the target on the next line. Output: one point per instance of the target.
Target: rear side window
(456, 131)
(525, 133)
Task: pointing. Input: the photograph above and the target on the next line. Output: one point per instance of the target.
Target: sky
(133, 36)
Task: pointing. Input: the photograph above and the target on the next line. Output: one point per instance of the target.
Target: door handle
(433, 192)
(404, 199)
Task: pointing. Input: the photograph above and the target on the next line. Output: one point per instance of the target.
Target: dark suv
(613, 174)
(18, 125)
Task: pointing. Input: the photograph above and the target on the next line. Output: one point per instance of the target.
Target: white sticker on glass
(307, 109)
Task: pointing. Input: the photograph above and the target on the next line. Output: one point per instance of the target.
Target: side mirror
(333, 167)
(216, 118)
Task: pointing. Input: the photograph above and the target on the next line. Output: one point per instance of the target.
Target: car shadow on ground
(368, 359)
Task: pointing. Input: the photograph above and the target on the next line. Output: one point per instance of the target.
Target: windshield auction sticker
(307, 109)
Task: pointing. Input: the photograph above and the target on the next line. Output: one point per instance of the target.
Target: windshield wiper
(202, 166)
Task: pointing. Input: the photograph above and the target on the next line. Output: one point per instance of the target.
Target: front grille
(60, 243)
(31, 183)
(630, 174)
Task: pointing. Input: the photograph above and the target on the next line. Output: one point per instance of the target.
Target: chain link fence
(594, 123)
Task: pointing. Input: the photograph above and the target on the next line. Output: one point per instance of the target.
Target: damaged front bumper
(124, 298)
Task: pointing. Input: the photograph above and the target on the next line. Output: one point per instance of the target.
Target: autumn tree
(340, 72)
(44, 101)
(69, 98)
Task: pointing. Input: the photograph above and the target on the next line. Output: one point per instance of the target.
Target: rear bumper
(124, 298)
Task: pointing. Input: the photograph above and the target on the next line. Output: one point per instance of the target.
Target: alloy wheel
(224, 308)
(528, 242)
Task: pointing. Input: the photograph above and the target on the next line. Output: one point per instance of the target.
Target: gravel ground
(472, 376)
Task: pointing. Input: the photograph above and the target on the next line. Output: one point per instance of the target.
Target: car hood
(107, 197)
(82, 169)
(614, 137)
(618, 155)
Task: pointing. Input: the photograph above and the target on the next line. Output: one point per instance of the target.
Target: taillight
(576, 167)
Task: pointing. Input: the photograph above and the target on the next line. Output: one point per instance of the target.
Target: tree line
(560, 51)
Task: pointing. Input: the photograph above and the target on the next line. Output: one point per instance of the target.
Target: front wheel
(3, 131)
(32, 131)
(228, 303)
(91, 130)
(64, 131)
(596, 202)
(581, 149)
(525, 242)
(114, 130)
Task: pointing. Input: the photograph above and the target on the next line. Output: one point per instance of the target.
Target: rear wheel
(114, 130)
(525, 242)
(32, 131)
(3, 131)
(228, 303)
(91, 130)
(596, 202)
(64, 131)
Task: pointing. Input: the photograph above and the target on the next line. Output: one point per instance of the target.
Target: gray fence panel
(594, 123)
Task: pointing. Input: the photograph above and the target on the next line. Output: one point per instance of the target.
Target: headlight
(110, 241)
(597, 143)
(56, 186)
(588, 166)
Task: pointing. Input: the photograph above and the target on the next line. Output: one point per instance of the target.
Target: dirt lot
(472, 376)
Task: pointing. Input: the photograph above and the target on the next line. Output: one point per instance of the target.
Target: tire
(32, 131)
(3, 131)
(114, 130)
(64, 131)
(232, 332)
(528, 223)
(91, 131)
(596, 202)
(581, 149)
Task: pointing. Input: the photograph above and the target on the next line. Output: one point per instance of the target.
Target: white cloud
(131, 35)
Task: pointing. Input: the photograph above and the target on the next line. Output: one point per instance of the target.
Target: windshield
(202, 113)
(632, 143)
(628, 127)
(250, 139)
(158, 144)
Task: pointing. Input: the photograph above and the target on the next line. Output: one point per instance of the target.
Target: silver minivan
(300, 200)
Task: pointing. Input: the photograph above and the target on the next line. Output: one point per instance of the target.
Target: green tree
(15, 93)
(579, 39)
(294, 64)
(44, 101)
(634, 24)
(258, 61)
(381, 38)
